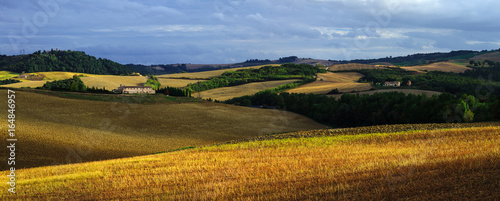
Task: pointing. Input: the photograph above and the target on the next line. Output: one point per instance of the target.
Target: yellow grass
(61, 75)
(326, 82)
(439, 66)
(226, 93)
(353, 66)
(7, 75)
(111, 82)
(53, 130)
(451, 164)
(176, 82)
(405, 91)
(208, 74)
(26, 83)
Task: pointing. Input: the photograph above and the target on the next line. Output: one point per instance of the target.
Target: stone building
(134, 90)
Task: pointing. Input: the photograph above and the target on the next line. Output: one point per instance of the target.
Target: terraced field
(326, 82)
(439, 66)
(443, 163)
(53, 130)
(226, 93)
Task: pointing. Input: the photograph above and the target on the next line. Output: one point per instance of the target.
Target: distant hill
(422, 58)
(59, 60)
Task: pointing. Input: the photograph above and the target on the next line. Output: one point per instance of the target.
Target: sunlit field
(226, 93)
(440, 66)
(53, 130)
(326, 82)
(444, 164)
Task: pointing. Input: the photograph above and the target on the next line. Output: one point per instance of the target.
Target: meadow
(7, 75)
(439, 66)
(226, 93)
(53, 130)
(326, 82)
(441, 164)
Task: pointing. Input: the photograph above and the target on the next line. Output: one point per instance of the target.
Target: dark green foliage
(73, 84)
(173, 91)
(153, 83)
(289, 59)
(70, 61)
(267, 73)
(380, 108)
(8, 81)
(334, 91)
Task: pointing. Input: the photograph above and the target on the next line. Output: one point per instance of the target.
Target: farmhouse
(392, 84)
(134, 90)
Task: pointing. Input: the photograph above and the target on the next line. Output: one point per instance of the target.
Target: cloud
(219, 31)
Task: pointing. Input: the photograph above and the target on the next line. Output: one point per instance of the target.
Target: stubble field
(326, 82)
(226, 93)
(443, 164)
(53, 130)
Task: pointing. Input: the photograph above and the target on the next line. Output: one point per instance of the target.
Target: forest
(267, 73)
(378, 109)
(58, 60)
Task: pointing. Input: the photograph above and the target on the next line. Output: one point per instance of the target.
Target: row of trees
(73, 84)
(55, 60)
(380, 108)
(267, 73)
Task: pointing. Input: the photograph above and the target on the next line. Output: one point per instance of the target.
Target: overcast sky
(225, 31)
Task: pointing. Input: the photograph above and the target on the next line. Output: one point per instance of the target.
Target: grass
(180, 83)
(405, 91)
(439, 66)
(208, 74)
(445, 164)
(55, 130)
(326, 82)
(111, 82)
(7, 75)
(226, 93)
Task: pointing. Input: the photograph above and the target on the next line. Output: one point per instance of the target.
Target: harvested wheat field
(353, 66)
(180, 83)
(439, 66)
(326, 82)
(24, 83)
(111, 82)
(226, 93)
(209, 74)
(53, 130)
(444, 164)
(405, 91)
(56, 75)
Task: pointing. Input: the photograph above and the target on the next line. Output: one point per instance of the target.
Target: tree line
(56, 60)
(379, 108)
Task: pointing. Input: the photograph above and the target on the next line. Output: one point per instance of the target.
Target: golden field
(444, 164)
(7, 75)
(439, 66)
(111, 82)
(53, 130)
(180, 83)
(226, 93)
(326, 82)
(26, 83)
(209, 74)
(353, 66)
(405, 91)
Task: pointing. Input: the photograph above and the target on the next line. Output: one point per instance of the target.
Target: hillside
(57, 60)
(326, 82)
(443, 164)
(439, 66)
(53, 130)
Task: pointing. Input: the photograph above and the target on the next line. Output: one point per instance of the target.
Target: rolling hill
(439, 66)
(53, 130)
(444, 164)
(326, 82)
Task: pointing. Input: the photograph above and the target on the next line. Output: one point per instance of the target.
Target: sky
(228, 31)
